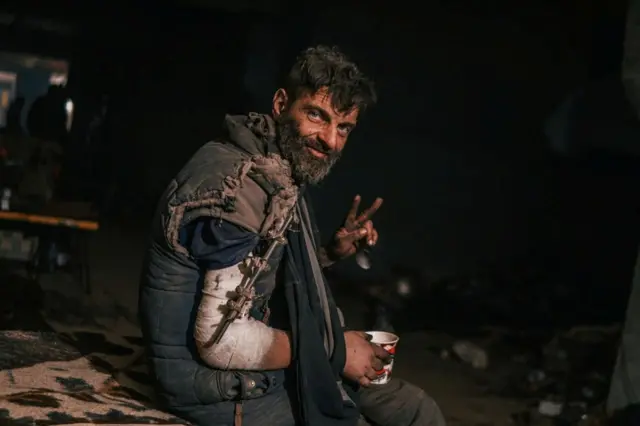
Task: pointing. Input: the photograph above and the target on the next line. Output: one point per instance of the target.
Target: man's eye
(345, 130)
(314, 115)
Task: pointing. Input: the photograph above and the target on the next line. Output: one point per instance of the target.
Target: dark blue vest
(170, 294)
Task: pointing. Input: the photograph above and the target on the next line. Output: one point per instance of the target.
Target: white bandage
(246, 342)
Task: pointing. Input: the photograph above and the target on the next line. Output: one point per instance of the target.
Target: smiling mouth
(316, 153)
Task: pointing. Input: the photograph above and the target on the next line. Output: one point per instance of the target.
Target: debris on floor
(563, 382)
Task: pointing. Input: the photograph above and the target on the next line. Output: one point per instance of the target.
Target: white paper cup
(388, 341)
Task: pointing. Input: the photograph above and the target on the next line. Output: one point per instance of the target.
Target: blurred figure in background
(47, 117)
(14, 113)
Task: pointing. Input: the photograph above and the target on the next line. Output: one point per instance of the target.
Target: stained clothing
(242, 181)
(225, 203)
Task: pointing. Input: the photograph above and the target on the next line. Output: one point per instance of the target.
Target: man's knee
(400, 403)
(428, 412)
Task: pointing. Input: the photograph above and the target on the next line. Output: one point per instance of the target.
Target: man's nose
(329, 138)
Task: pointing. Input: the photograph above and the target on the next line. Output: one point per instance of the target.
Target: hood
(253, 133)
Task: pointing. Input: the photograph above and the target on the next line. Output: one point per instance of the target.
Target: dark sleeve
(217, 244)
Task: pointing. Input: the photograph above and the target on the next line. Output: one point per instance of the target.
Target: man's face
(312, 133)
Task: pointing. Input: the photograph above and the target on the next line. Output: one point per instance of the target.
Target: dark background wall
(455, 147)
(456, 144)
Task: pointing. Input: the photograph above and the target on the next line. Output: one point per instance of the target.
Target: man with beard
(288, 359)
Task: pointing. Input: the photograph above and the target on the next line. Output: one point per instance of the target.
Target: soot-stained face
(312, 132)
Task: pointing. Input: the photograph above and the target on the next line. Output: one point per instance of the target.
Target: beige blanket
(75, 376)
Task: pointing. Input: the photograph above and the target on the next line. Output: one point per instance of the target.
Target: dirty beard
(306, 167)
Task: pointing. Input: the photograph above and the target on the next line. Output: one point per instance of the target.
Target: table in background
(76, 217)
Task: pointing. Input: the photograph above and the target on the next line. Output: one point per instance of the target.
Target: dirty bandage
(247, 341)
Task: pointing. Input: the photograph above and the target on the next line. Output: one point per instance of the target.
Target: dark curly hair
(323, 66)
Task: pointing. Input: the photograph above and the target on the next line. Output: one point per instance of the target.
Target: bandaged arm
(221, 248)
(247, 344)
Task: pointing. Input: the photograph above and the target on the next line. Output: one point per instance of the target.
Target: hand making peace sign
(356, 230)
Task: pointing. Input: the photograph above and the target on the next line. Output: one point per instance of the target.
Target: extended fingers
(351, 216)
(366, 215)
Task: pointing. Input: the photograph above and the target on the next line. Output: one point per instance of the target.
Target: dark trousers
(397, 403)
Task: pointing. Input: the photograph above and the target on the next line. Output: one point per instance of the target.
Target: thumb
(365, 336)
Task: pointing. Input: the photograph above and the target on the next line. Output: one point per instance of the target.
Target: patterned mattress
(80, 374)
